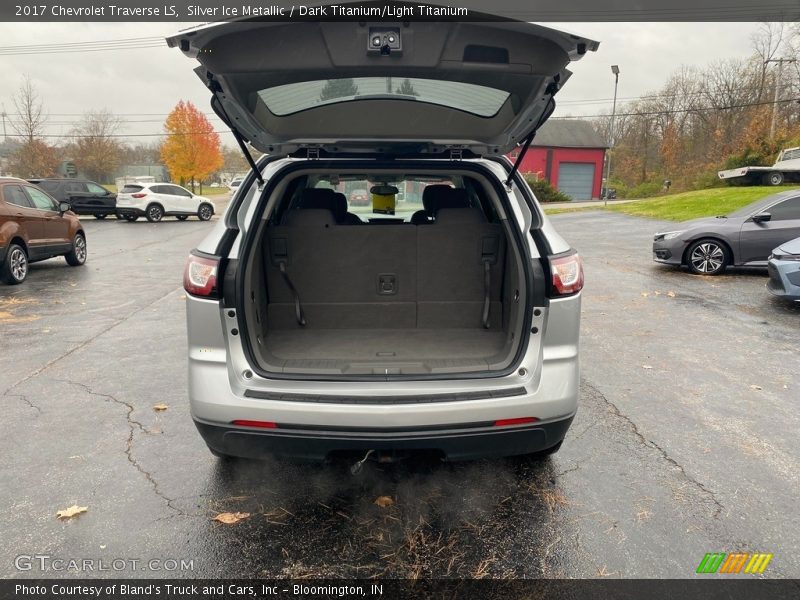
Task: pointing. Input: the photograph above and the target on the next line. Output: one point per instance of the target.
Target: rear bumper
(465, 443)
(129, 210)
(93, 209)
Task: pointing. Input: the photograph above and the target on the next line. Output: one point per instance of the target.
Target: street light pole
(615, 71)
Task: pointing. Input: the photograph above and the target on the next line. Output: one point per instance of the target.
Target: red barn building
(569, 154)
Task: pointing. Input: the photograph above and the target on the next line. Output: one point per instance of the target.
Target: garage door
(576, 179)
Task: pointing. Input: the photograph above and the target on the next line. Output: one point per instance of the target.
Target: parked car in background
(235, 183)
(786, 168)
(313, 337)
(158, 200)
(784, 270)
(743, 238)
(359, 198)
(33, 226)
(84, 197)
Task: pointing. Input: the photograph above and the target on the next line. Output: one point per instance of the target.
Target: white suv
(158, 200)
(446, 323)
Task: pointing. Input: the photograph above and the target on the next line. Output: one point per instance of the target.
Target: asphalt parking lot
(685, 442)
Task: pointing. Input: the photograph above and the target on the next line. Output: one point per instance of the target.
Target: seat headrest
(339, 206)
(323, 198)
(429, 195)
(311, 217)
(459, 216)
(451, 198)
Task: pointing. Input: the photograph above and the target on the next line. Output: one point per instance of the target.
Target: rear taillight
(261, 424)
(139, 195)
(517, 421)
(567, 274)
(200, 276)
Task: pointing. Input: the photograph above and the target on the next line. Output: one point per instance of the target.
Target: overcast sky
(142, 85)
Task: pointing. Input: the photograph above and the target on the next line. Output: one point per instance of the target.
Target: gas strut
(552, 88)
(218, 107)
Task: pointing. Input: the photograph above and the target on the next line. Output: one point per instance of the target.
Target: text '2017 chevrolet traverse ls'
(315, 331)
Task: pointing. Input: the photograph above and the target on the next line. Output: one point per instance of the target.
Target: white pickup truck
(786, 168)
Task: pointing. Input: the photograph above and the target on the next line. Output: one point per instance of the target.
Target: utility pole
(776, 98)
(615, 72)
(5, 135)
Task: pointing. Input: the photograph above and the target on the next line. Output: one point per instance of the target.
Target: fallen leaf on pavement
(671, 294)
(160, 407)
(230, 518)
(70, 512)
(647, 367)
(755, 387)
(645, 294)
(383, 501)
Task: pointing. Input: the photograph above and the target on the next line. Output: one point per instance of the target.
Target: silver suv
(444, 315)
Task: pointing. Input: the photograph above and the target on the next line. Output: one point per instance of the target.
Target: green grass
(700, 203)
(560, 210)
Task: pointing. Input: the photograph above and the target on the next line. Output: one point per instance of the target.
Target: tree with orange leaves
(192, 148)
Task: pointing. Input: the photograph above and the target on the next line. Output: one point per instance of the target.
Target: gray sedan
(744, 237)
(784, 270)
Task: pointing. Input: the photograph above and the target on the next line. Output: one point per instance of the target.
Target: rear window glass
(47, 185)
(362, 194)
(132, 189)
(294, 97)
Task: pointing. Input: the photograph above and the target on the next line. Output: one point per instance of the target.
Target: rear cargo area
(439, 295)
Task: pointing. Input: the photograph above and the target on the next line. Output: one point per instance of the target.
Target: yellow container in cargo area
(383, 199)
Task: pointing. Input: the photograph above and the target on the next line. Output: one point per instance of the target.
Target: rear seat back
(346, 277)
(452, 255)
(429, 194)
(392, 276)
(325, 199)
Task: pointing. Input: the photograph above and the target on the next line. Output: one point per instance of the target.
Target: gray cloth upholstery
(312, 217)
(452, 216)
(436, 197)
(327, 199)
(436, 273)
(340, 207)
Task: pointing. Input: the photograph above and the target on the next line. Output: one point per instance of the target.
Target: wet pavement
(685, 441)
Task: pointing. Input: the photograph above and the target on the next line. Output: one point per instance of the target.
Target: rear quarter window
(13, 194)
(131, 189)
(48, 186)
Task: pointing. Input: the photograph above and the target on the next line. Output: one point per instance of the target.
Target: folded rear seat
(345, 277)
(445, 275)
(459, 270)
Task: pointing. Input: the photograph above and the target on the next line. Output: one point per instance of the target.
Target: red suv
(33, 226)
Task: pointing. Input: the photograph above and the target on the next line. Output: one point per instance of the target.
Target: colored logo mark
(736, 562)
